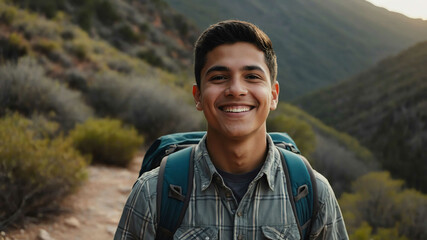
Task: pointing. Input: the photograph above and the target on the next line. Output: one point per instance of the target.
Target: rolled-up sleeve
(329, 223)
(137, 220)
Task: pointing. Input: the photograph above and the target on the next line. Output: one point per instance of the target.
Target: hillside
(338, 156)
(93, 74)
(149, 30)
(385, 108)
(317, 42)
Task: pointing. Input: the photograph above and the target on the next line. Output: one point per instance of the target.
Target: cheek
(263, 96)
(209, 96)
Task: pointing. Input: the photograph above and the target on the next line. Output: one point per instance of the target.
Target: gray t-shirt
(238, 183)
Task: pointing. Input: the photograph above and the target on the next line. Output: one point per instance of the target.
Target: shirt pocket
(282, 232)
(196, 233)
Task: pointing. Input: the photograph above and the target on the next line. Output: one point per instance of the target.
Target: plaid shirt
(213, 213)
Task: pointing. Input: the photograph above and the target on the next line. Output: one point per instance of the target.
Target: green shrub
(68, 34)
(106, 141)
(13, 47)
(300, 131)
(25, 89)
(385, 206)
(151, 57)
(35, 172)
(106, 12)
(364, 232)
(7, 15)
(79, 50)
(84, 18)
(46, 46)
(120, 66)
(126, 33)
(76, 79)
(46, 7)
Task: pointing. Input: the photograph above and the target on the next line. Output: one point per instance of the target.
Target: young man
(239, 185)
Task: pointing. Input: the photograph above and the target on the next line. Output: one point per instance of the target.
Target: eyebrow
(225, 69)
(217, 69)
(252, 68)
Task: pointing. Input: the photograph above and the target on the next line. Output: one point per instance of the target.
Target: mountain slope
(317, 42)
(112, 82)
(149, 30)
(385, 108)
(338, 156)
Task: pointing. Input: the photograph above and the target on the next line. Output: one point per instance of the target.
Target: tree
(381, 203)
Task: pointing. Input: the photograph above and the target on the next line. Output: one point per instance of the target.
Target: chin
(240, 133)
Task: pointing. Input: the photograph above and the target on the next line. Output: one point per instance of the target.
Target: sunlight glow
(410, 8)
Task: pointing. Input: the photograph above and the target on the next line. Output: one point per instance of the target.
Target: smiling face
(236, 93)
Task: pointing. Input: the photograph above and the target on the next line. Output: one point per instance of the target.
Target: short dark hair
(229, 32)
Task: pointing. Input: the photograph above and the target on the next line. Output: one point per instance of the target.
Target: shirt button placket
(239, 215)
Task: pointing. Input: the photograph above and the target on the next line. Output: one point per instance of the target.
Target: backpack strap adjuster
(176, 192)
(302, 192)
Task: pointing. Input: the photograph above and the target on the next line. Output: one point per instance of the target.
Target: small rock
(124, 190)
(111, 230)
(72, 222)
(3, 234)
(22, 231)
(44, 235)
(111, 220)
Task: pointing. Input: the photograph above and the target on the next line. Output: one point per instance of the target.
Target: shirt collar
(208, 171)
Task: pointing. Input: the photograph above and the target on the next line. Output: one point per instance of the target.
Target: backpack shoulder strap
(301, 182)
(174, 187)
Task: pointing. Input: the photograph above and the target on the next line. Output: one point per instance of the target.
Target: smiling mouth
(236, 109)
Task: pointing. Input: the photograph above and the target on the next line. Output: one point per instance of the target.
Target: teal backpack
(174, 154)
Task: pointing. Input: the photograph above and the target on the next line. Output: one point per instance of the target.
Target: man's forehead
(240, 55)
(220, 68)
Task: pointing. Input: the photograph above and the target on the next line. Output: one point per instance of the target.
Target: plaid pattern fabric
(264, 212)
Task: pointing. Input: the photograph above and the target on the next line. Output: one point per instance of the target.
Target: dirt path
(95, 208)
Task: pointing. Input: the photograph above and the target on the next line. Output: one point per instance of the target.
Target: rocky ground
(92, 213)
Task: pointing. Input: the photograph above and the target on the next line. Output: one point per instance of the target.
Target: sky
(410, 8)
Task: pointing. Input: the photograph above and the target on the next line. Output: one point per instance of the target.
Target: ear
(197, 98)
(275, 89)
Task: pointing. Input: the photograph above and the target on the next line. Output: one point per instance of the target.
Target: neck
(237, 156)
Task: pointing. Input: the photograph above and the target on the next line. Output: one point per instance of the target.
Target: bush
(46, 7)
(385, 206)
(106, 13)
(125, 32)
(153, 109)
(106, 141)
(7, 14)
(79, 50)
(76, 79)
(120, 66)
(84, 18)
(365, 233)
(151, 57)
(46, 46)
(300, 131)
(35, 173)
(25, 89)
(13, 47)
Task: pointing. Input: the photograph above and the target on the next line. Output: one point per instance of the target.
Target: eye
(218, 78)
(253, 77)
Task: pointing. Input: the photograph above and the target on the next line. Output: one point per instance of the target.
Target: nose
(236, 87)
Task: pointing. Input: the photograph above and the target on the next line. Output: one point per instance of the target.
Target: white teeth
(234, 109)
